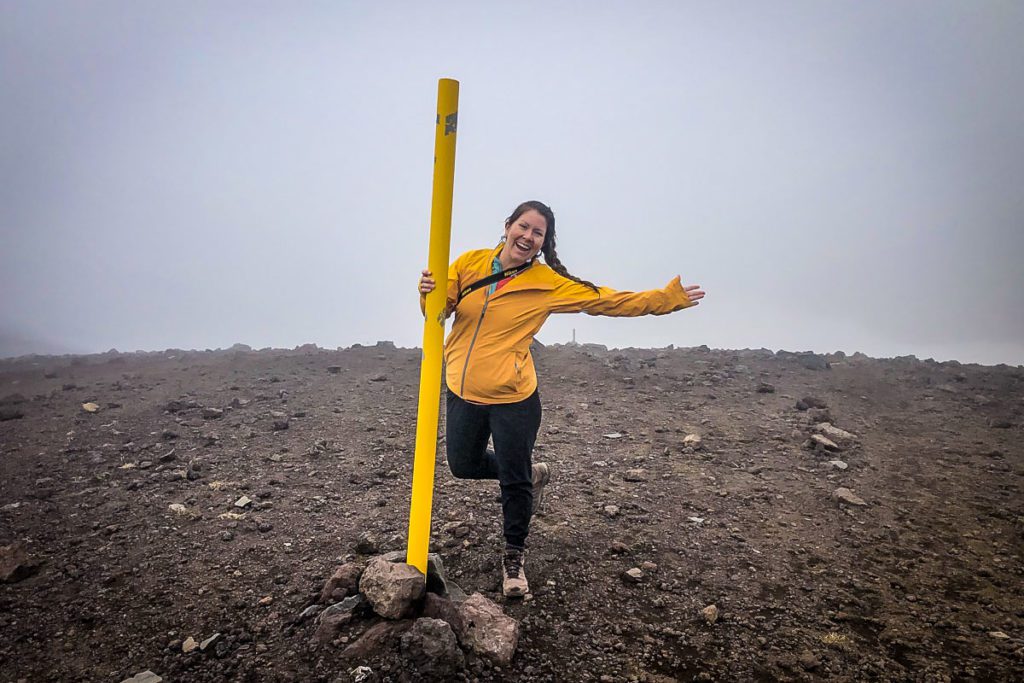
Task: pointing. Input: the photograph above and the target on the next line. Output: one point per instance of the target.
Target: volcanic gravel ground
(922, 583)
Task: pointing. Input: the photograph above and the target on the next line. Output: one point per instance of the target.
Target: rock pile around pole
(382, 611)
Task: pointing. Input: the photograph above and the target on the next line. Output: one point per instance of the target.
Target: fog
(837, 176)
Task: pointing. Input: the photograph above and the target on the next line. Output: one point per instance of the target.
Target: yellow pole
(433, 325)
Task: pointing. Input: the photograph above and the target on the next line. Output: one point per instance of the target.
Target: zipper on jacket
(465, 366)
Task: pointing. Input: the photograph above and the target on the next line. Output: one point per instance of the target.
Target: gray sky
(836, 175)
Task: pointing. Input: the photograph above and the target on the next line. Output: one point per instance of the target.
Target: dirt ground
(924, 582)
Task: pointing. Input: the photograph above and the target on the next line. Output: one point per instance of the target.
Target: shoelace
(513, 563)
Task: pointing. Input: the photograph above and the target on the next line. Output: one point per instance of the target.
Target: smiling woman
(491, 379)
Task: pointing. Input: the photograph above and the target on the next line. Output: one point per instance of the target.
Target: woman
(492, 384)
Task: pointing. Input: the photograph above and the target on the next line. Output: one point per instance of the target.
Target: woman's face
(524, 237)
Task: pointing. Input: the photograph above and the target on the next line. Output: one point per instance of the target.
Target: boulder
(489, 632)
(391, 587)
(431, 646)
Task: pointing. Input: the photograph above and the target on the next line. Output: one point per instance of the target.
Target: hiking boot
(541, 477)
(514, 584)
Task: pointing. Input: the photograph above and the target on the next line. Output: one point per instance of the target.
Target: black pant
(513, 428)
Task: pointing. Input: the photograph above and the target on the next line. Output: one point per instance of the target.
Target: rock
(489, 632)
(818, 415)
(634, 575)
(649, 566)
(189, 645)
(15, 563)
(10, 413)
(243, 502)
(710, 614)
(838, 464)
(212, 413)
(209, 642)
(308, 613)
(765, 388)
(611, 510)
(438, 581)
(437, 607)
(363, 674)
(178, 509)
(692, 440)
(618, 548)
(391, 587)
(367, 545)
(344, 582)
(808, 661)
(834, 433)
(431, 646)
(281, 424)
(637, 474)
(998, 634)
(1000, 423)
(332, 619)
(845, 495)
(334, 369)
(810, 402)
(144, 677)
(613, 435)
(819, 442)
(375, 638)
(90, 407)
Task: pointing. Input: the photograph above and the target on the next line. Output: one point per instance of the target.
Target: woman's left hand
(694, 293)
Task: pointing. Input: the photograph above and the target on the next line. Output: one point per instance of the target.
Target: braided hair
(548, 248)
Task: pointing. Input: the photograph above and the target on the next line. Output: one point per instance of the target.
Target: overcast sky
(837, 175)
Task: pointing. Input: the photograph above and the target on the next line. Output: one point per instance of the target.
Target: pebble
(189, 645)
(634, 575)
(242, 502)
(144, 677)
(209, 642)
(845, 495)
(710, 614)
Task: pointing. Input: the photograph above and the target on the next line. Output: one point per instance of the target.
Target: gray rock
(391, 587)
(308, 613)
(212, 413)
(838, 464)
(209, 642)
(819, 442)
(834, 433)
(144, 677)
(332, 619)
(765, 388)
(489, 632)
(431, 646)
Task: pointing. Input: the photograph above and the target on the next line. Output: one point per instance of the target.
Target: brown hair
(548, 248)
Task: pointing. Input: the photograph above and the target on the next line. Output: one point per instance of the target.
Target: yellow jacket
(487, 353)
